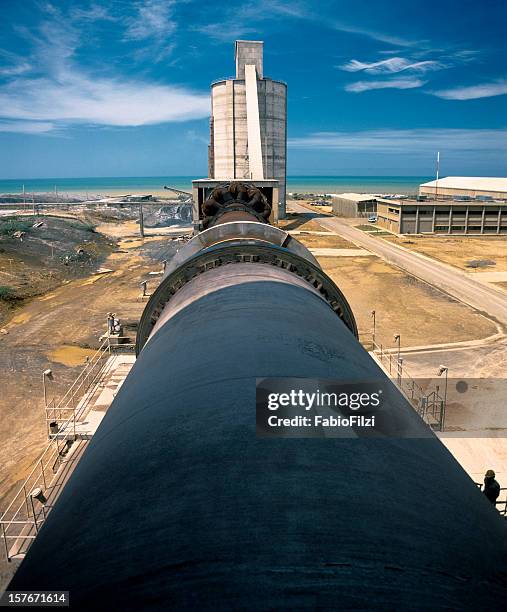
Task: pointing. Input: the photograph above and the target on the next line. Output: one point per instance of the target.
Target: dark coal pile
(168, 215)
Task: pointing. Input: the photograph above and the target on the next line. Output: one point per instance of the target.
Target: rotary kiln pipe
(177, 504)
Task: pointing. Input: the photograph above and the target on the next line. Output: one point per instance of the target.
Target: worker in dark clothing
(491, 486)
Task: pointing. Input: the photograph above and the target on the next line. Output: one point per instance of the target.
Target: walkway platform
(24, 517)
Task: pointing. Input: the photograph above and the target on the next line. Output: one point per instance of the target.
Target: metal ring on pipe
(240, 252)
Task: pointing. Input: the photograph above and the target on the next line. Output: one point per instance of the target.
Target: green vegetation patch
(8, 227)
(7, 293)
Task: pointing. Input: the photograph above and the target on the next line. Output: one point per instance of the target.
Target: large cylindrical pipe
(177, 504)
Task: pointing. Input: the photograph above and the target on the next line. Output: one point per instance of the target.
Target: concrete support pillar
(253, 125)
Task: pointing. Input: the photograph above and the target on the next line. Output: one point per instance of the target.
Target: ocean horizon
(155, 184)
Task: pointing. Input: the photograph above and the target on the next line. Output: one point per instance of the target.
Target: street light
(397, 338)
(47, 374)
(374, 328)
(443, 370)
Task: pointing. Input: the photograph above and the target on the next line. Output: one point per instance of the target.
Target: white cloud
(392, 65)
(153, 18)
(95, 12)
(245, 19)
(225, 32)
(384, 37)
(26, 127)
(76, 98)
(14, 70)
(472, 92)
(67, 94)
(401, 83)
(12, 64)
(415, 141)
(242, 21)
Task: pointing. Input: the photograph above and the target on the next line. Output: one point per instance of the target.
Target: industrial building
(248, 126)
(442, 217)
(467, 187)
(354, 204)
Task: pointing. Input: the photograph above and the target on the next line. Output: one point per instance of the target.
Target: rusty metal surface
(242, 251)
(236, 198)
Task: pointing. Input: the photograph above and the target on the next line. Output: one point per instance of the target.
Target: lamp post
(47, 374)
(443, 370)
(374, 328)
(397, 338)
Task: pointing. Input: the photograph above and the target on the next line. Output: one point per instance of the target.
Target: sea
(93, 186)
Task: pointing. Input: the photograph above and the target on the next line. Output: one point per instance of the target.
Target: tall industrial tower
(248, 127)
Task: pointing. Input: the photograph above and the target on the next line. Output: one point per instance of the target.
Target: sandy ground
(399, 299)
(58, 331)
(459, 251)
(403, 304)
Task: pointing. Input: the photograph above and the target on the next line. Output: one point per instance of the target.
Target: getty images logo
(315, 408)
(351, 400)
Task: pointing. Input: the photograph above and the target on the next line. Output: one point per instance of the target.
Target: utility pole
(443, 370)
(141, 220)
(438, 172)
(397, 338)
(373, 314)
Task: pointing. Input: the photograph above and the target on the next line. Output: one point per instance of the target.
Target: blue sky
(121, 88)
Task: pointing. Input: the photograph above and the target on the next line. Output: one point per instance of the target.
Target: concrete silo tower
(248, 128)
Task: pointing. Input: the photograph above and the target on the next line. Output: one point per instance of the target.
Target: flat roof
(474, 183)
(355, 197)
(447, 203)
(205, 182)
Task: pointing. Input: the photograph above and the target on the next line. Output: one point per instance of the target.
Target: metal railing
(500, 504)
(61, 417)
(23, 518)
(25, 514)
(430, 405)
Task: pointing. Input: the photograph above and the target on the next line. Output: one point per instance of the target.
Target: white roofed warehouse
(472, 187)
(354, 204)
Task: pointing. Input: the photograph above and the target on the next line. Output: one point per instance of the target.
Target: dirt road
(450, 280)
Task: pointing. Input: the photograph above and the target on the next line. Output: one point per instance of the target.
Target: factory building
(248, 126)
(472, 187)
(354, 205)
(442, 217)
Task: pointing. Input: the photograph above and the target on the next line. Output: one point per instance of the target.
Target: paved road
(452, 281)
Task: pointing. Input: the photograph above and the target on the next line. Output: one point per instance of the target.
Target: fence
(429, 405)
(61, 417)
(24, 516)
(26, 513)
(500, 504)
